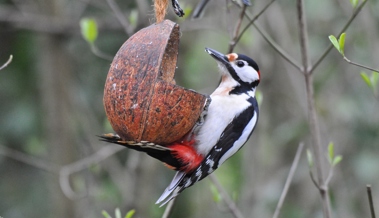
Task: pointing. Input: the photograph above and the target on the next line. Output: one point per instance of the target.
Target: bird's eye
(240, 63)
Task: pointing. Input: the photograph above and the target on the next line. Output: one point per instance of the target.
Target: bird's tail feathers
(144, 146)
(172, 190)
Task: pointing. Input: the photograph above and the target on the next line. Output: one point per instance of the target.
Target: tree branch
(329, 177)
(251, 21)
(328, 49)
(303, 32)
(67, 170)
(120, 17)
(277, 48)
(29, 159)
(314, 180)
(169, 208)
(360, 65)
(313, 122)
(268, 39)
(371, 202)
(48, 24)
(96, 51)
(234, 41)
(289, 180)
(226, 198)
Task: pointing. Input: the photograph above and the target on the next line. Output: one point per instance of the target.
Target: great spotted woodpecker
(231, 118)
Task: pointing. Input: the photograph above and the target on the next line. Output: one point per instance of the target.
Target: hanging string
(160, 8)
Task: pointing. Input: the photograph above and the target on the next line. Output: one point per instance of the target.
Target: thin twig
(360, 65)
(268, 39)
(316, 142)
(371, 202)
(29, 159)
(329, 177)
(314, 180)
(169, 208)
(120, 17)
(226, 198)
(96, 51)
(303, 36)
(199, 9)
(228, 18)
(64, 26)
(277, 48)
(7, 63)
(234, 41)
(327, 50)
(313, 122)
(252, 20)
(67, 170)
(289, 179)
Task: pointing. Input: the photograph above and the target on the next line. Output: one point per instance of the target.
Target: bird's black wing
(230, 135)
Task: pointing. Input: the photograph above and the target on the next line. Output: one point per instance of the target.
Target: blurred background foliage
(51, 110)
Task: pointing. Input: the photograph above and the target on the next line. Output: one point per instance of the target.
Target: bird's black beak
(224, 61)
(218, 56)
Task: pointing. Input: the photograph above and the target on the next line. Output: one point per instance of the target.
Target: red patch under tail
(185, 152)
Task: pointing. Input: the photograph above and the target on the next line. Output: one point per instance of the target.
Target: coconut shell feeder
(141, 100)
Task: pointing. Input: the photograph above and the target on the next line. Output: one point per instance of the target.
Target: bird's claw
(177, 9)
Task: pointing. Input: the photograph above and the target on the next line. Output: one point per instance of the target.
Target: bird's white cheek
(249, 75)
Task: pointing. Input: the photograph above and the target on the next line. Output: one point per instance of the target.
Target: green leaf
(366, 79)
(117, 213)
(374, 81)
(374, 78)
(88, 27)
(341, 41)
(336, 160)
(334, 41)
(310, 158)
(187, 11)
(133, 17)
(130, 213)
(216, 195)
(259, 97)
(105, 214)
(354, 3)
(331, 152)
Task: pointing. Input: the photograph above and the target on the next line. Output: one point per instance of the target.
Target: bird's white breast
(222, 110)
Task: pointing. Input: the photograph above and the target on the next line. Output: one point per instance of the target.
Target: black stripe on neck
(240, 89)
(234, 75)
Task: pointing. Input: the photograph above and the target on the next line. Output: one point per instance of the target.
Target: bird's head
(238, 67)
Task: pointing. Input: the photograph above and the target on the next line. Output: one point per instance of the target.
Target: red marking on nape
(259, 74)
(186, 154)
